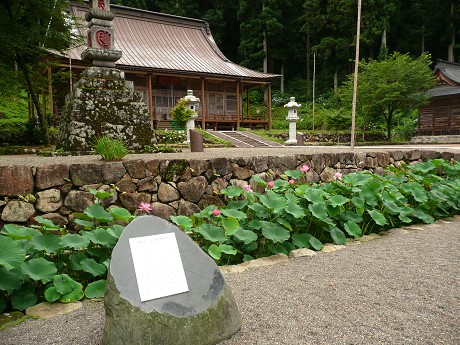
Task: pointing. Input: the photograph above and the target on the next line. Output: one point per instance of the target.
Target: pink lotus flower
(248, 188)
(337, 176)
(270, 184)
(291, 181)
(304, 168)
(215, 212)
(145, 207)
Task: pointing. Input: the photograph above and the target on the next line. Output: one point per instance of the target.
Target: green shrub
(286, 214)
(181, 114)
(110, 149)
(45, 263)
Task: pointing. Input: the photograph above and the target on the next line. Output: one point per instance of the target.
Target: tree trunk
(265, 52)
(282, 78)
(336, 82)
(308, 67)
(264, 44)
(389, 118)
(450, 49)
(33, 95)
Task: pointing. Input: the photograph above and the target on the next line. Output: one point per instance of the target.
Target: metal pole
(355, 79)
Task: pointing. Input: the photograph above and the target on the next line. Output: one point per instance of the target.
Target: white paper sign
(158, 266)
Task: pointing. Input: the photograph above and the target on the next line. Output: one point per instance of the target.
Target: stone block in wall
(218, 184)
(131, 201)
(282, 163)
(162, 210)
(51, 176)
(111, 200)
(447, 155)
(56, 218)
(242, 173)
(112, 172)
(49, 200)
(173, 170)
(310, 176)
(198, 167)
(221, 166)
(17, 211)
(167, 193)
(327, 174)
(135, 169)
(193, 189)
(78, 200)
(16, 180)
(397, 155)
(148, 183)
(415, 155)
(126, 186)
(153, 167)
(187, 208)
(207, 200)
(258, 164)
(348, 160)
(83, 174)
(427, 155)
(382, 159)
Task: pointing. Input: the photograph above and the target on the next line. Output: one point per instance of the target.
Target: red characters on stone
(103, 39)
(101, 4)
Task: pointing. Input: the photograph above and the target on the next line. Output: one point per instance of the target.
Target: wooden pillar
(203, 106)
(247, 103)
(269, 106)
(150, 104)
(237, 104)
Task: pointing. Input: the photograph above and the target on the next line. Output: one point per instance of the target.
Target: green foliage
(28, 29)
(181, 114)
(390, 87)
(36, 264)
(110, 149)
(289, 215)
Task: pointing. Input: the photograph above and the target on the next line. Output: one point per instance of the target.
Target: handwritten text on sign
(158, 266)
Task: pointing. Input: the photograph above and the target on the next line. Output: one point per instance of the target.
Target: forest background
(280, 36)
(300, 40)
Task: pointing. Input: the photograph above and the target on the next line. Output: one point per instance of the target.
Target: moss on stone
(175, 169)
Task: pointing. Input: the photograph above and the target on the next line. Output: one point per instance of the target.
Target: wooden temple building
(166, 55)
(441, 116)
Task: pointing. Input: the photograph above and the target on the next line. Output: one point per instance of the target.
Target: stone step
(244, 139)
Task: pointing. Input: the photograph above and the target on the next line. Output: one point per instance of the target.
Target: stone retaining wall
(173, 187)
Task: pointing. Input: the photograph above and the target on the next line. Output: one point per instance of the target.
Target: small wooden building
(442, 115)
(166, 55)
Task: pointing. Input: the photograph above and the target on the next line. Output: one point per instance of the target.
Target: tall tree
(259, 21)
(28, 29)
(395, 85)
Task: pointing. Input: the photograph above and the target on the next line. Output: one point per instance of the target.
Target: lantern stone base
(104, 103)
(292, 132)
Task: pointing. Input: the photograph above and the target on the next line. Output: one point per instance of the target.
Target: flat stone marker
(185, 299)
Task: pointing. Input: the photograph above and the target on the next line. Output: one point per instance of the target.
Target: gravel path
(229, 152)
(402, 288)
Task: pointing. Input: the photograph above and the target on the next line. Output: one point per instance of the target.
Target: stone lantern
(192, 103)
(292, 118)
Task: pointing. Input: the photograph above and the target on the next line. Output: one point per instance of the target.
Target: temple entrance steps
(244, 139)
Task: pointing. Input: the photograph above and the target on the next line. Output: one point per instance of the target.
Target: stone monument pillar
(292, 118)
(102, 101)
(192, 103)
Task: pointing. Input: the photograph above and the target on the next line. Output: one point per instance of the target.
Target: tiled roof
(448, 71)
(159, 42)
